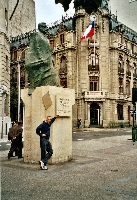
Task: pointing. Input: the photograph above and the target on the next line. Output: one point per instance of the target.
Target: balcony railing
(94, 94)
(93, 67)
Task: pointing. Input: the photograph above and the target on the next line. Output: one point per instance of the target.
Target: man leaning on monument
(43, 130)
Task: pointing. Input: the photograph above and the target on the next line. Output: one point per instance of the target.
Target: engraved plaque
(63, 105)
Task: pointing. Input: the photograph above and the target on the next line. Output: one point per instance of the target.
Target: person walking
(43, 130)
(18, 136)
(12, 138)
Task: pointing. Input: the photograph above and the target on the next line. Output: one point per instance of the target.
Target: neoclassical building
(101, 69)
(4, 67)
(103, 77)
(16, 18)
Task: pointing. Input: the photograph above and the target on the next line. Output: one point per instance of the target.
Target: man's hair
(19, 123)
(48, 116)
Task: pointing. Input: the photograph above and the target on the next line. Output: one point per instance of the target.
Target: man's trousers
(46, 150)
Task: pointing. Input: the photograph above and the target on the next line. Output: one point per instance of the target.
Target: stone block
(48, 101)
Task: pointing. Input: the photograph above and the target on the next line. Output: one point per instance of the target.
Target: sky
(47, 11)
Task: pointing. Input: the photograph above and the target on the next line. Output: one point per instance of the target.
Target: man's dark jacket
(44, 128)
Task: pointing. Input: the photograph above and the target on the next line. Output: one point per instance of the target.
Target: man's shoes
(8, 156)
(41, 164)
(45, 167)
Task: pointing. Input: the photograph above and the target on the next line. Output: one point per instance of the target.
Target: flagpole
(94, 45)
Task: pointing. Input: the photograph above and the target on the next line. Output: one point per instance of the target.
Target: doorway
(94, 114)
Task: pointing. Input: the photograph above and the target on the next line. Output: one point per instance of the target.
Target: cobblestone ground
(102, 169)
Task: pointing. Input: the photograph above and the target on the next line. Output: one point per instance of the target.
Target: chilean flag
(89, 32)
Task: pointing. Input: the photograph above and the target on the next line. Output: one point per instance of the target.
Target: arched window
(93, 59)
(120, 85)
(128, 69)
(128, 88)
(63, 62)
(127, 65)
(93, 62)
(120, 61)
(120, 66)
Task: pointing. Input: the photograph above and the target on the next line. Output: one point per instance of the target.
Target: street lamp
(19, 83)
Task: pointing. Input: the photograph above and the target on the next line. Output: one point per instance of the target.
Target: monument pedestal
(42, 102)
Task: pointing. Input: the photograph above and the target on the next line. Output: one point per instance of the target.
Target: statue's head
(43, 27)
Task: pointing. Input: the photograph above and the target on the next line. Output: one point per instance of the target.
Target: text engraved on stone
(63, 106)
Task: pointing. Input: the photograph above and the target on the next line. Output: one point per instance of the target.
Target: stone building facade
(4, 66)
(101, 69)
(16, 17)
(103, 77)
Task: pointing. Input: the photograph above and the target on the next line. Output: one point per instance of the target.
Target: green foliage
(115, 124)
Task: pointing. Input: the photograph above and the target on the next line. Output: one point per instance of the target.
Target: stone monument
(41, 102)
(43, 99)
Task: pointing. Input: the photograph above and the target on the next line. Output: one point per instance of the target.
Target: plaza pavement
(101, 169)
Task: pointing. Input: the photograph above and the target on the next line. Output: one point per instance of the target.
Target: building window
(120, 86)
(120, 66)
(120, 39)
(120, 61)
(120, 111)
(52, 44)
(94, 83)
(132, 48)
(6, 105)
(134, 67)
(62, 38)
(7, 64)
(6, 18)
(15, 55)
(128, 88)
(23, 55)
(63, 82)
(63, 62)
(63, 72)
(93, 60)
(127, 65)
(126, 44)
(134, 84)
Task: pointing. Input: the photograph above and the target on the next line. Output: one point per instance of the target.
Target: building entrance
(94, 114)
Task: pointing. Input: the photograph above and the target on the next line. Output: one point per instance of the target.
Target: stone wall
(24, 19)
(48, 101)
